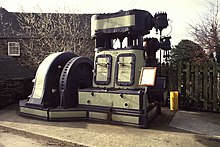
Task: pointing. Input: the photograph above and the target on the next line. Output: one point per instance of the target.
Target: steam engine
(110, 88)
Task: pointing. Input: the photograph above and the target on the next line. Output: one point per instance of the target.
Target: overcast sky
(180, 12)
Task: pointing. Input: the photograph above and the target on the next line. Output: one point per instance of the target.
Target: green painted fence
(198, 84)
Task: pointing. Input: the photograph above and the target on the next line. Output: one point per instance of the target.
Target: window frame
(17, 45)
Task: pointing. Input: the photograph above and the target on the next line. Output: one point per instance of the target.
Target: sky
(181, 13)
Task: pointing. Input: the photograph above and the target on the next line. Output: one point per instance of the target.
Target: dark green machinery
(70, 87)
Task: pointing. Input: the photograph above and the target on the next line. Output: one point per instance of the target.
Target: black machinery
(120, 86)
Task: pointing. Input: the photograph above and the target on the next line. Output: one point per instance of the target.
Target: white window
(13, 49)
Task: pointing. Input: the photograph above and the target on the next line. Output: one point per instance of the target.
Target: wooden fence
(198, 84)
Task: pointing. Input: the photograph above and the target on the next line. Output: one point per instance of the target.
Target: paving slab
(198, 122)
(89, 133)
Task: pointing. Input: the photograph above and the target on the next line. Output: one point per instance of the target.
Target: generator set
(120, 86)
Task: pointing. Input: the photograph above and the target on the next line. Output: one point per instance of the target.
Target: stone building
(15, 76)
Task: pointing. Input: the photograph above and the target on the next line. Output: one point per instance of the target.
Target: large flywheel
(77, 73)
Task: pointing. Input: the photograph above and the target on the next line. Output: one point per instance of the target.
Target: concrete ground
(11, 138)
(162, 132)
(202, 123)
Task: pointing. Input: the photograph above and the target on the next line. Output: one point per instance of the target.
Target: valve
(160, 21)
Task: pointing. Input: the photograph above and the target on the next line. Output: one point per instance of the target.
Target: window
(13, 49)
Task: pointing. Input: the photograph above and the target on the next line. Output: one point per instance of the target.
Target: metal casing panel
(116, 99)
(139, 62)
(39, 113)
(98, 115)
(125, 69)
(128, 76)
(132, 21)
(109, 105)
(102, 25)
(126, 118)
(109, 83)
(103, 69)
(66, 114)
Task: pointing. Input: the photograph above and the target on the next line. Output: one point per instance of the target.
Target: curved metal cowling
(45, 91)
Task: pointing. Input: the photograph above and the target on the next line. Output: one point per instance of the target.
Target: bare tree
(206, 32)
(45, 33)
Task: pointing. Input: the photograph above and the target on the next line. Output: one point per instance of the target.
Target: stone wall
(3, 47)
(15, 81)
(12, 91)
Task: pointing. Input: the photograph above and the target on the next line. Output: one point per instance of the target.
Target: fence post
(215, 78)
(218, 88)
(179, 82)
(187, 89)
(205, 85)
